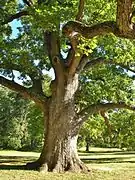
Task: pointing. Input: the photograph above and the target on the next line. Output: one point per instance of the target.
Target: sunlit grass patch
(106, 164)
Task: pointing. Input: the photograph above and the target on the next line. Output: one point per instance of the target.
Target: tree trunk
(87, 140)
(59, 152)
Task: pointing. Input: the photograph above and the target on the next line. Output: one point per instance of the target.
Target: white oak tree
(47, 27)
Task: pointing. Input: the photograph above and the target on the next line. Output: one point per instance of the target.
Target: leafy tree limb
(25, 92)
(15, 16)
(96, 108)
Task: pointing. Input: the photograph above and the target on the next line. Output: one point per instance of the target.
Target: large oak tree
(65, 36)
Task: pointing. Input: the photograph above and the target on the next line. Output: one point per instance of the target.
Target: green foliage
(116, 49)
(21, 122)
(99, 10)
(92, 132)
(123, 124)
(122, 131)
(49, 16)
(46, 85)
(35, 128)
(104, 84)
(86, 46)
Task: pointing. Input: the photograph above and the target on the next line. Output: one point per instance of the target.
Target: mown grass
(106, 164)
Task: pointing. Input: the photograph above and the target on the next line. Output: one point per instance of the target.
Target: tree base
(76, 167)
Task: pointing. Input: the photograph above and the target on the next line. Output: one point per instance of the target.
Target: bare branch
(96, 108)
(80, 10)
(15, 16)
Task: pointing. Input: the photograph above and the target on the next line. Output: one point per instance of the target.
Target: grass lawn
(106, 164)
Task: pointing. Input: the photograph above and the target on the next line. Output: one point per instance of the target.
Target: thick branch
(123, 27)
(35, 75)
(25, 92)
(82, 64)
(89, 31)
(74, 56)
(15, 16)
(70, 57)
(124, 13)
(96, 108)
(99, 61)
(80, 10)
(74, 64)
(73, 27)
(52, 42)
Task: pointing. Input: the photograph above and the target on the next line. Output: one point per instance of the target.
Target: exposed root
(79, 167)
(43, 168)
(75, 166)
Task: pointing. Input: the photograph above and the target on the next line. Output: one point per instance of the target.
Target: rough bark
(59, 153)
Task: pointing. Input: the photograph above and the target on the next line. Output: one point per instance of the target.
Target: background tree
(21, 122)
(54, 34)
(94, 132)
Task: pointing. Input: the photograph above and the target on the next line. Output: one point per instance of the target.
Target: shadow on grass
(16, 159)
(81, 153)
(18, 162)
(108, 160)
(96, 152)
(15, 162)
(13, 167)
